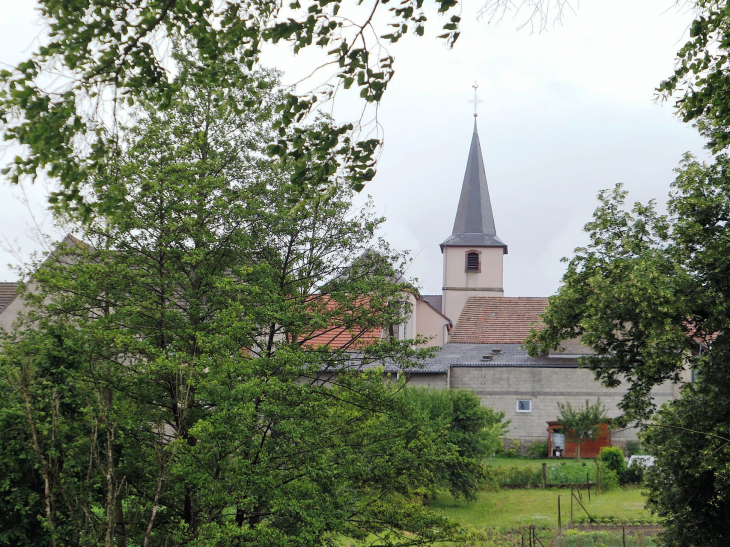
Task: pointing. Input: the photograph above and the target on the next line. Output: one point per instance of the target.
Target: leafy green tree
(650, 296)
(580, 425)
(458, 418)
(202, 404)
(112, 54)
(688, 484)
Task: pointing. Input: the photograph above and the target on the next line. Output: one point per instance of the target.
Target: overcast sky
(566, 113)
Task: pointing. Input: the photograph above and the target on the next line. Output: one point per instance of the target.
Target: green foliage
(634, 473)
(647, 294)
(503, 475)
(171, 382)
(609, 477)
(109, 51)
(634, 279)
(613, 457)
(701, 77)
(538, 450)
(458, 419)
(689, 483)
(571, 472)
(581, 424)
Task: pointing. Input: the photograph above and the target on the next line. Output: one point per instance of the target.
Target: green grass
(510, 509)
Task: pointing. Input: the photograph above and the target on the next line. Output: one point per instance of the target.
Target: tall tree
(212, 411)
(650, 295)
(580, 425)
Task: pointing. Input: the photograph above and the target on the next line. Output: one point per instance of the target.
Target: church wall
(487, 282)
(431, 324)
(501, 387)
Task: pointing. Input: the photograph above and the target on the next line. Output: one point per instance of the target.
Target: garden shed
(588, 449)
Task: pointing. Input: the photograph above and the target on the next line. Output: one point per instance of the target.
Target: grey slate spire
(474, 224)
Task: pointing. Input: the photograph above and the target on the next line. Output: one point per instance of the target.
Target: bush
(502, 475)
(571, 472)
(538, 450)
(635, 473)
(609, 478)
(613, 457)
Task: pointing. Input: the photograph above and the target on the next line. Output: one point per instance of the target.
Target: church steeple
(474, 223)
(473, 254)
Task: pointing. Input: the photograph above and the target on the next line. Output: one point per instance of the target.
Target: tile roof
(497, 320)
(337, 336)
(7, 293)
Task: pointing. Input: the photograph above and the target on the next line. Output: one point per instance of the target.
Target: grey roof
(464, 355)
(510, 355)
(474, 223)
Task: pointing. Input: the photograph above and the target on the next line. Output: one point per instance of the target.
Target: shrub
(538, 450)
(502, 475)
(571, 472)
(635, 473)
(609, 478)
(613, 457)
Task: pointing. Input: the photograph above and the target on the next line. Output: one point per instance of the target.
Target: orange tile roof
(340, 337)
(497, 320)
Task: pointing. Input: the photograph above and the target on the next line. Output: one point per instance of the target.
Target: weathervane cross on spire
(475, 101)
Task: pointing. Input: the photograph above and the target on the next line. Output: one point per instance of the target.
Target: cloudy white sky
(566, 113)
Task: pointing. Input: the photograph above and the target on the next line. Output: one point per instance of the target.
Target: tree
(194, 399)
(650, 296)
(688, 484)
(457, 417)
(580, 425)
(112, 54)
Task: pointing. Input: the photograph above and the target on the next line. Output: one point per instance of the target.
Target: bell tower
(473, 254)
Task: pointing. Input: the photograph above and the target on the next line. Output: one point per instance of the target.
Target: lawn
(505, 514)
(510, 509)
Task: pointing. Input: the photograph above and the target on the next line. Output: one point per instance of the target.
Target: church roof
(474, 223)
(497, 320)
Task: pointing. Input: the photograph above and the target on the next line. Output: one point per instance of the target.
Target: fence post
(623, 530)
(560, 526)
(523, 539)
(544, 476)
(598, 477)
(571, 506)
(588, 481)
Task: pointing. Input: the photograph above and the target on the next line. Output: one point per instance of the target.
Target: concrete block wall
(501, 388)
(435, 381)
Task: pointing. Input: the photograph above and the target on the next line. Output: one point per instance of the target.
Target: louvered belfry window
(472, 262)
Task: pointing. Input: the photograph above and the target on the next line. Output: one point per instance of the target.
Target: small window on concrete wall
(524, 405)
(472, 262)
